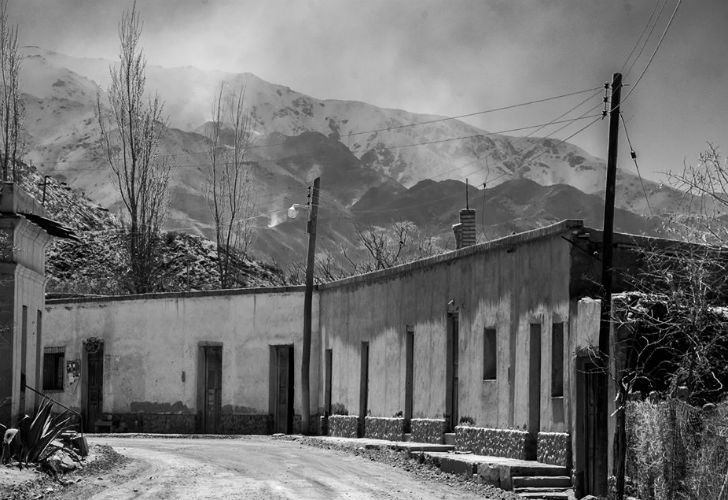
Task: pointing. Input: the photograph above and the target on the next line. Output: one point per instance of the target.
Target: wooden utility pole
(602, 434)
(307, 305)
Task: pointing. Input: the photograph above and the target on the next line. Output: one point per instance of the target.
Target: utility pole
(602, 434)
(307, 305)
(45, 182)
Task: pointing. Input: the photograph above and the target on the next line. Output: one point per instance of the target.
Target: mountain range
(376, 165)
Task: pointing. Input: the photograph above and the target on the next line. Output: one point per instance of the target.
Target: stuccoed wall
(344, 426)
(391, 429)
(427, 430)
(152, 343)
(504, 284)
(554, 448)
(506, 443)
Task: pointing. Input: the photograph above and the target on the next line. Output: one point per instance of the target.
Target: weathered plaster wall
(151, 345)
(22, 285)
(507, 284)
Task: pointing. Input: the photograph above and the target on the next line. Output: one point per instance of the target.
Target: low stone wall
(245, 423)
(344, 426)
(506, 443)
(155, 423)
(553, 448)
(391, 429)
(427, 430)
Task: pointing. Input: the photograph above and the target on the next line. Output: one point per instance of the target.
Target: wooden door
(94, 400)
(281, 388)
(213, 389)
(409, 374)
(451, 372)
(588, 383)
(329, 381)
(363, 386)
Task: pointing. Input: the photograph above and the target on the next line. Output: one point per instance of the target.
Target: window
(557, 360)
(490, 358)
(53, 361)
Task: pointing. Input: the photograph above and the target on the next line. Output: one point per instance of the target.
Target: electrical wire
(467, 115)
(654, 52)
(644, 44)
(634, 159)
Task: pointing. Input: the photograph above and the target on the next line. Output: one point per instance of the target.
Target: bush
(676, 450)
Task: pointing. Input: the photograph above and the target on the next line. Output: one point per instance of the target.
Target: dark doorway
(363, 386)
(94, 397)
(451, 395)
(329, 374)
(212, 361)
(534, 382)
(588, 382)
(409, 373)
(281, 387)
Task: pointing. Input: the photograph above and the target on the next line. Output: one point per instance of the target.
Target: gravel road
(253, 468)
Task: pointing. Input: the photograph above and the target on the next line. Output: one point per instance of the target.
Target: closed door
(94, 386)
(281, 388)
(363, 385)
(213, 389)
(409, 374)
(452, 382)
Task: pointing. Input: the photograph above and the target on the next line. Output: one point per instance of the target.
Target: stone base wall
(427, 430)
(186, 423)
(155, 423)
(391, 429)
(506, 443)
(554, 448)
(245, 423)
(344, 426)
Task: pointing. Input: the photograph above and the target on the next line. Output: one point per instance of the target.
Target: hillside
(367, 178)
(515, 205)
(95, 263)
(61, 92)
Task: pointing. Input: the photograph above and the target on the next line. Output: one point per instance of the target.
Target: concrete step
(546, 494)
(538, 470)
(542, 481)
(449, 438)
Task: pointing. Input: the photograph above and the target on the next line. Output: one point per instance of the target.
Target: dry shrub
(676, 451)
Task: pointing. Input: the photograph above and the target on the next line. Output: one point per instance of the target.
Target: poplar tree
(131, 132)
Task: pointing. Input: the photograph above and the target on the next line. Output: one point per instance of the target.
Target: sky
(445, 57)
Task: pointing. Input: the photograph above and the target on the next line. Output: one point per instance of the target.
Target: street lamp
(293, 211)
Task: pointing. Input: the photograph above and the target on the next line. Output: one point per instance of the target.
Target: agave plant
(38, 433)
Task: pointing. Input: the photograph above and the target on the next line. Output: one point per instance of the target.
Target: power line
(644, 44)
(654, 52)
(570, 136)
(634, 159)
(485, 134)
(467, 115)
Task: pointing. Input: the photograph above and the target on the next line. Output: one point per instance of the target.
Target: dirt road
(251, 468)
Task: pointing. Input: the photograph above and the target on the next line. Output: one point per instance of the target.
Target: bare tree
(131, 134)
(394, 244)
(230, 193)
(11, 106)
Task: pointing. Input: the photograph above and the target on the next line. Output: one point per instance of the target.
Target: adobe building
(25, 231)
(496, 335)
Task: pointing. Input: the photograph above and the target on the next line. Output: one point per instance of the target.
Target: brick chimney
(465, 229)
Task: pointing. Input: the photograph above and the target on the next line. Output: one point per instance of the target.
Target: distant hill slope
(515, 205)
(367, 177)
(61, 92)
(94, 264)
